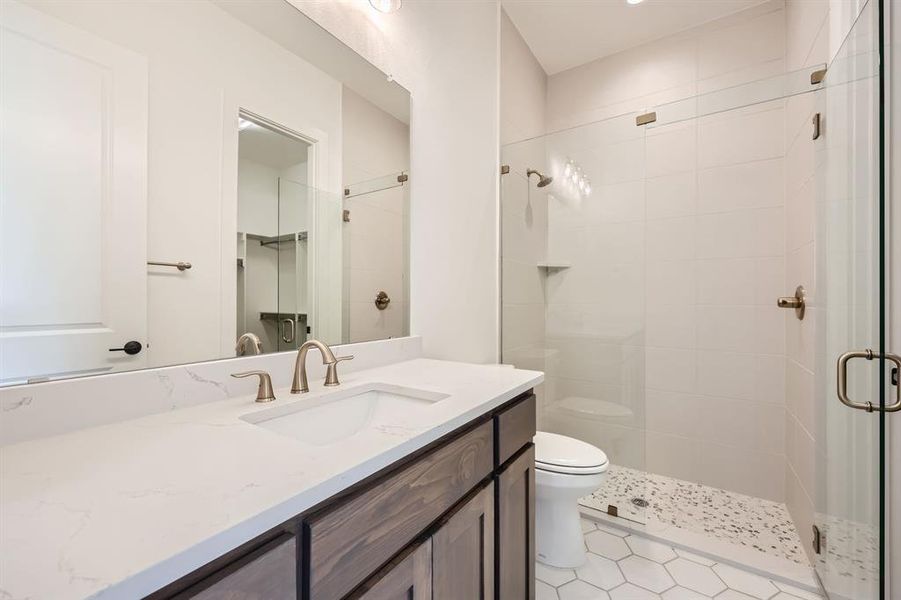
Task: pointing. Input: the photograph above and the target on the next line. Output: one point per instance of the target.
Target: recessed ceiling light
(385, 6)
(634, 2)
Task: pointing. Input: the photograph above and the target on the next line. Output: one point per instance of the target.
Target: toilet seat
(565, 455)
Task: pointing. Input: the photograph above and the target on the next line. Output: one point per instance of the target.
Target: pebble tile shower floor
(624, 566)
(752, 522)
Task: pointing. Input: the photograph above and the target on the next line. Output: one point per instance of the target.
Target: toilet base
(558, 528)
(558, 534)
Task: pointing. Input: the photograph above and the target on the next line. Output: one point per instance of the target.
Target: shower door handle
(288, 338)
(842, 381)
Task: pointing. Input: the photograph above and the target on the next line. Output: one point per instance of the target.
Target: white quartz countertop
(120, 510)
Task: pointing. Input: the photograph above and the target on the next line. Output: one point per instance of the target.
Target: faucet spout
(300, 384)
(256, 346)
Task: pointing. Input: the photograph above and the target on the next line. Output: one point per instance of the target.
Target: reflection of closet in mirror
(274, 211)
(376, 159)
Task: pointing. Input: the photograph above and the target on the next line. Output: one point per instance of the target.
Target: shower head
(543, 180)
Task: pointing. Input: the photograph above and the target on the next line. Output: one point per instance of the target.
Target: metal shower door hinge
(345, 215)
(817, 76)
(645, 118)
(817, 541)
(402, 178)
(842, 381)
(505, 169)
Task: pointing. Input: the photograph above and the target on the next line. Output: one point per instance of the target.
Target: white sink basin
(334, 417)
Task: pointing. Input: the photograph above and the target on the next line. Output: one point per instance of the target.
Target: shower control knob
(131, 347)
(798, 302)
(382, 300)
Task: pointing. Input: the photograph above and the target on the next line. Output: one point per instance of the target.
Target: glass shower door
(849, 314)
(573, 293)
(293, 204)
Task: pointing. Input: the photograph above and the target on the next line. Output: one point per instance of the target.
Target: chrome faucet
(300, 384)
(256, 345)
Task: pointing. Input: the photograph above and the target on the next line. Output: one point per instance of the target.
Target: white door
(73, 156)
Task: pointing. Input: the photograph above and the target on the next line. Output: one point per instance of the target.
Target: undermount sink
(334, 417)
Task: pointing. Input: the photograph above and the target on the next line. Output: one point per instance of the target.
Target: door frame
(318, 167)
(892, 129)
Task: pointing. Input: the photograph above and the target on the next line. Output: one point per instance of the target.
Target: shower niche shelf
(552, 265)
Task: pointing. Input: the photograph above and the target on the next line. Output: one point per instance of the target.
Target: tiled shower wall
(666, 326)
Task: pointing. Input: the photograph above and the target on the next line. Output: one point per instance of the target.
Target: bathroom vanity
(409, 480)
(452, 520)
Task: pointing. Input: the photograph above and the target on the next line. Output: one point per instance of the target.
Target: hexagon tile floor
(624, 566)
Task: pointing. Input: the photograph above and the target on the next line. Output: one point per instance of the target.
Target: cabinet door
(409, 579)
(268, 574)
(463, 551)
(351, 540)
(516, 528)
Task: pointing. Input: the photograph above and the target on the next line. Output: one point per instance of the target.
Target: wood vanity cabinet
(408, 578)
(266, 573)
(452, 521)
(456, 561)
(463, 550)
(516, 527)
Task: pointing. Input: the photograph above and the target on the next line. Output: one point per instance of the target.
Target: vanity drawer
(515, 428)
(348, 543)
(269, 572)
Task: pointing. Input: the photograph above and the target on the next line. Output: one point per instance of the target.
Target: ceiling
(264, 146)
(567, 33)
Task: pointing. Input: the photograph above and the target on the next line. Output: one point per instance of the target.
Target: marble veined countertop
(120, 510)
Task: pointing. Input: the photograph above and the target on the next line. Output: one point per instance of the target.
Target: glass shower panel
(294, 200)
(375, 258)
(848, 304)
(574, 292)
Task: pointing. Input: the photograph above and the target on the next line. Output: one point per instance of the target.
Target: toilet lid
(562, 454)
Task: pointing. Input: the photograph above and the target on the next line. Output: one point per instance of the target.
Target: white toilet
(565, 470)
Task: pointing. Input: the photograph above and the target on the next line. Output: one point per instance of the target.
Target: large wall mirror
(187, 181)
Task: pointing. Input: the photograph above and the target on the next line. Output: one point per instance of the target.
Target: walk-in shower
(651, 305)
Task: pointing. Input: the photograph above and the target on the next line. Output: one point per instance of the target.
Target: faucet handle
(331, 370)
(264, 391)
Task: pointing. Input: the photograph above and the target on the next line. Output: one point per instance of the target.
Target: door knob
(131, 347)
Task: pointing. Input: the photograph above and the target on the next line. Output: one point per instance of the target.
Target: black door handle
(131, 347)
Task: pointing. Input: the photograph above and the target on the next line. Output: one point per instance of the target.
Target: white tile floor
(625, 566)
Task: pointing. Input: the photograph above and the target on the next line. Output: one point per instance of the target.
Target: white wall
(523, 87)
(446, 54)
(669, 309)
(257, 198)
(189, 146)
(376, 146)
